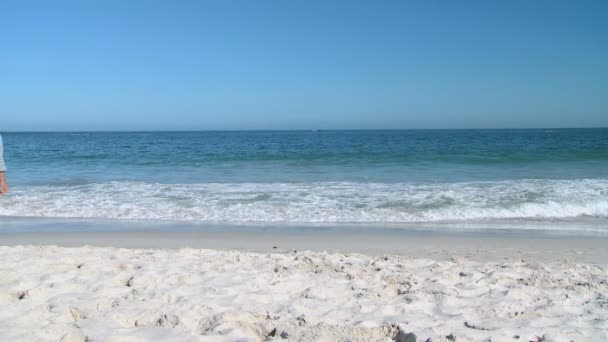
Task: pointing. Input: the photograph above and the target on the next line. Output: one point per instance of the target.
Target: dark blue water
(301, 156)
(311, 176)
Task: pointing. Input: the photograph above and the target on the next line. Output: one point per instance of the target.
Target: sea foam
(319, 202)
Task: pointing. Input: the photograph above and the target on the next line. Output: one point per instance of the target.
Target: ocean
(549, 178)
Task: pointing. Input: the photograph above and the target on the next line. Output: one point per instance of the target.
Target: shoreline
(439, 246)
(437, 241)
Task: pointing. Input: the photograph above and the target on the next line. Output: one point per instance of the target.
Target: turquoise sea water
(317, 177)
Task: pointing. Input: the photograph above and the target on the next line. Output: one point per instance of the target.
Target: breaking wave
(319, 202)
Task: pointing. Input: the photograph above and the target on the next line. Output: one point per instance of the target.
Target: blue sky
(154, 65)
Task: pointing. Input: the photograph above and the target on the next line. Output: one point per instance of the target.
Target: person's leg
(3, 185)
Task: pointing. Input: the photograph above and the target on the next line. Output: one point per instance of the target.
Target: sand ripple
(111, 294)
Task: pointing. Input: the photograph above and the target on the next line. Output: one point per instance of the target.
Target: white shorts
(2, 166)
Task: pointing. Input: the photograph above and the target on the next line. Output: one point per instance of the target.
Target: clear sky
(332, 64)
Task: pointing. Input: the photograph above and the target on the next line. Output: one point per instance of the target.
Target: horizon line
(297, 130)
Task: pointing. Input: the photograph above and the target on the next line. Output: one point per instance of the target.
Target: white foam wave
(315, 202)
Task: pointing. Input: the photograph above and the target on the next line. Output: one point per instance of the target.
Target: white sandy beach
(51, 293)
